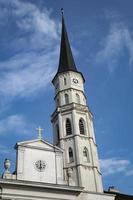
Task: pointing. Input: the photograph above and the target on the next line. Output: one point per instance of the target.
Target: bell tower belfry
(73, 123)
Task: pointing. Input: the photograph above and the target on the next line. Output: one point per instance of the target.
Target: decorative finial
(39, 130)
(62, 11)
(7, 174)
(7, 165)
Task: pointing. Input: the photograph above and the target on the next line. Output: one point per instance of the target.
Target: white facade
(30, 182)
(28, 156)
(24, 190)
(71, 105)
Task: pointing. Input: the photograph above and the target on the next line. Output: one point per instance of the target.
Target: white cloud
(32, 18)
(14, 124)
(36, 23)
(118, 39)
(34, 54)
(33, 74)
(114, 165)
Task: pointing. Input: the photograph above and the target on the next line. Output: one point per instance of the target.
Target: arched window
(65, 82)
(86, 155)
(82, 126)
(77, 98)
(66, 98)
(68, 127)
(70, 152)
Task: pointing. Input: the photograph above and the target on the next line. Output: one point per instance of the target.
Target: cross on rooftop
(39, 130)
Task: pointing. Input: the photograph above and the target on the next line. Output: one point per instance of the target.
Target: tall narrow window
(86, 155)
(77, 98)
(70, 152)
(65, 81)
(82, 126)
(66, 98)
(57, 85)
(68, 127)
(57, 132)
(57, 102)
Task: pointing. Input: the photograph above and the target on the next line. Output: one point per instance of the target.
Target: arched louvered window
(77, 98)
(68, 127)
(66, 99)
(82, 126)
(70, 152)
(86, 155)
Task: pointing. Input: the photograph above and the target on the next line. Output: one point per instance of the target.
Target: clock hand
(41, 165)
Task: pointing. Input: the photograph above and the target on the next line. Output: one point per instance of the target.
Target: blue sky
(101, 35)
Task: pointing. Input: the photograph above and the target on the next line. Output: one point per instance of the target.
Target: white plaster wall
(26, 169)
(88, 179)
(81, 95)
(38, 193)
(34, 193)
(29, 170)
(74, 178)
(72, 97)
(84, 142)
(69, 88)
(59, 169)
(87, 176)
(69, 79)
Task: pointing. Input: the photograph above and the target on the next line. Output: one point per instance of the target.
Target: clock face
(40, 165)
(75, 80)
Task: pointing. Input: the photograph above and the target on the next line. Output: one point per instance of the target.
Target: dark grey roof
(66, 61)
(120, 196)
(123, 197)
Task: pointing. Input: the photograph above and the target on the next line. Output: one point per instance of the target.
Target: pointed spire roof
(66, 61)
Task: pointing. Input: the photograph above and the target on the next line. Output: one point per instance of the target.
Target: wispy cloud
(118, 39)
(113, 166)
(14, 124)
(31, 63)
(34, 73)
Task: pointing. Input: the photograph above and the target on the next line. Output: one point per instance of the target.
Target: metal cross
(39, 130)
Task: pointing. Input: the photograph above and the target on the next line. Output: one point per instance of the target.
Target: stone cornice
(68, 137)
(41, 148)
(87, 165)
(39, 186)
(69, 108)
(64, 90)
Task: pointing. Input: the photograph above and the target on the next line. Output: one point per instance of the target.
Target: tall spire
(66, 61)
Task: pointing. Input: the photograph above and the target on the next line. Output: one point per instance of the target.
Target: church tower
(73, 123)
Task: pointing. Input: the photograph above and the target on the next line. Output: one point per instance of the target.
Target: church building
(69, 168)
